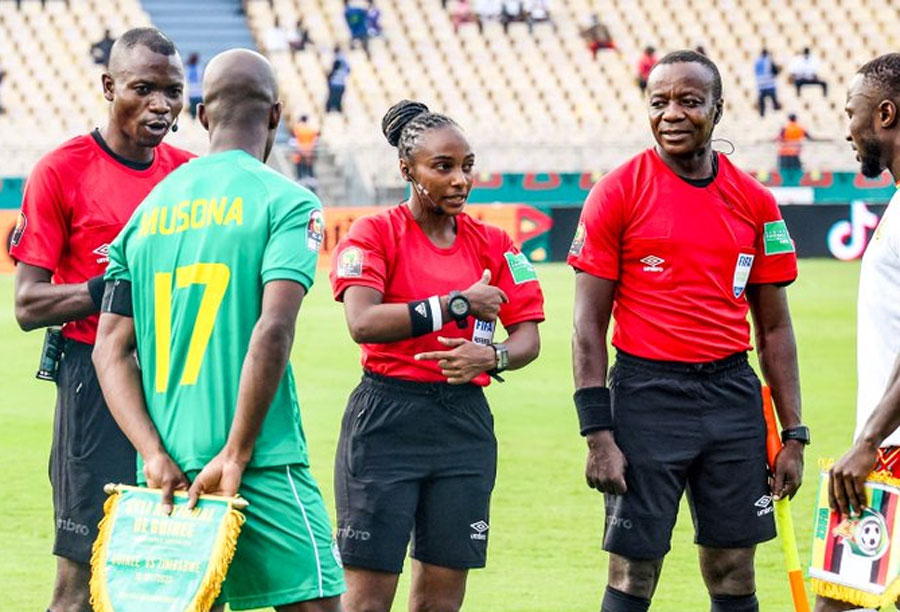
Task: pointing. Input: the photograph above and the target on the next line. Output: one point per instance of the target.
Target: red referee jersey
(76, 200)
(390, 252)
(682, 256)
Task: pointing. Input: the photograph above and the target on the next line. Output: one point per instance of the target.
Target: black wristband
(117, 298)
(594, 409)
(426, 316)
(95, 287)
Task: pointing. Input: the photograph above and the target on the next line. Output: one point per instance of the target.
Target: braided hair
(406, 121)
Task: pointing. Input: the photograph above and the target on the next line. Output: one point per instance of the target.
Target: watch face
(458, 307)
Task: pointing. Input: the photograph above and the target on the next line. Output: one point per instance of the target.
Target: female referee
(422, 285)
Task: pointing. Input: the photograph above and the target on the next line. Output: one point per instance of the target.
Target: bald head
(239, 88)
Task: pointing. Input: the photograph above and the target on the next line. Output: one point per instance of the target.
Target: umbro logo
(422, 309)
(652, 263)
(480, 528)
(764, 503)
(102, 253)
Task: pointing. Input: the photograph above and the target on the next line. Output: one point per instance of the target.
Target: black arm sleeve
(117, 298)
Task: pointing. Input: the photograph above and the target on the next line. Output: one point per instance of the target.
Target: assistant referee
(677, 245)
(77, 199)
(422, 285)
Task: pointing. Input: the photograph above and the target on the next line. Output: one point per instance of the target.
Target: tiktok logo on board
(847, 239)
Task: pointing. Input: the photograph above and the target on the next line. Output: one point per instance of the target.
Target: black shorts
(89, 450)
(694, 426)
(414, 458)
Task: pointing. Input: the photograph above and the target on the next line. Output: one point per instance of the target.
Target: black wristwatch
(459, 308)
(800, 433)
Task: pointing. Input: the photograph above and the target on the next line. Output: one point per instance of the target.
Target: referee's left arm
(777, 349)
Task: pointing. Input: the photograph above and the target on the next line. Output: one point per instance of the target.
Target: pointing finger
(433, 355)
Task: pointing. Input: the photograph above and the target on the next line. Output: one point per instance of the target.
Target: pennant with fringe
(858, 560)
(144, 559)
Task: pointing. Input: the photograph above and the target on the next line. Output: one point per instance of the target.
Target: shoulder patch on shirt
(776, 238)
(578, 240)
(21, 223)
(315, 231)
(350, 263)
(521, 269)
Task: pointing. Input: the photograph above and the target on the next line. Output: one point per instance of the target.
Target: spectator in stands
(766, 70)
(337, 81)
(597, 36)
(645, 64)
(512, 10)
(100, 49)
(373, 20)
(304, 141)
(355, 16)
(536, 11)
(194, 77)
(804, 70)
(276, 39)
(462, 13)
(299, 38)
(790, 145)
(487, 10)
(700, 49)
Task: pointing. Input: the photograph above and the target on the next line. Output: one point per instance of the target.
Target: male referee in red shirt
(677, 245)
(77, 198)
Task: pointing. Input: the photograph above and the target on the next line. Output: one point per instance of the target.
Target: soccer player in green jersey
(205, 283)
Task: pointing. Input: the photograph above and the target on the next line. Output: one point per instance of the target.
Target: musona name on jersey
(195, 214)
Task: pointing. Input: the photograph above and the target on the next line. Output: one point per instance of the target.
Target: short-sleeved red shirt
(389, 252)
(682, 256)
(76, 200)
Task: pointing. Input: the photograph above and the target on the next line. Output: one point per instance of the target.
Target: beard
(870, 154)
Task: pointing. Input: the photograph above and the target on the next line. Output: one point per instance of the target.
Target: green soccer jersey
(198, 252)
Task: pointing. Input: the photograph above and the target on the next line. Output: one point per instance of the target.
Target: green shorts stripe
(283, 555)
(312, 537)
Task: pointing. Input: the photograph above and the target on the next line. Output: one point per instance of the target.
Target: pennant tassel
(222, 554)
(99, 594)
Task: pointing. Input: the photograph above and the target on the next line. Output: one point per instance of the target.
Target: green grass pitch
(546, 525)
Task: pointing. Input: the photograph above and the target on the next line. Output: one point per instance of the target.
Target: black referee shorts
(89, 450)
(414, 458)
(693, 426)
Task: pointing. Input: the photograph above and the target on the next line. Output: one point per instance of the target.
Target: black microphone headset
(422, 191)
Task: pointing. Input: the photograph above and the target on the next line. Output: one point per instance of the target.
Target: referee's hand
(485, 299)
(163, 473)
(463, 362)
(605, 469)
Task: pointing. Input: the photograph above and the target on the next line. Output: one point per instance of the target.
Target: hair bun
(398, 116)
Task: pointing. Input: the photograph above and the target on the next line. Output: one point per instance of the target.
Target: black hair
(687, 56)
(406, 121)
(151, 38)
(884, 73)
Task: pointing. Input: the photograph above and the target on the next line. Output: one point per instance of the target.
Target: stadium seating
(538, 102)
(529, 102)
(52, 88)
